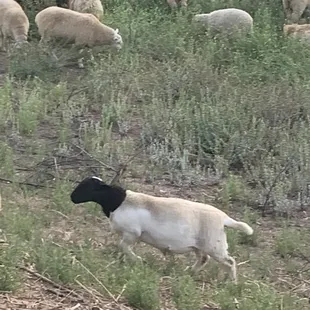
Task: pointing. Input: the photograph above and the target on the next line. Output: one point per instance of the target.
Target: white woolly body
(87, 6)
(177, 236)
(14, 24)
(175, 225)
(78, 28)
(226, 21)
(294, 9)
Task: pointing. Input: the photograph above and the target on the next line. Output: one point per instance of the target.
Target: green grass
(221, 122)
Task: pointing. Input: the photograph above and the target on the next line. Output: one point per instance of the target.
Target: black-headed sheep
(80, 28)
(14, 24)
(170, 224)
(226, 22)
(87, 6)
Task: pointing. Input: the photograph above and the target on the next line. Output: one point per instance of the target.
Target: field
(222, 122)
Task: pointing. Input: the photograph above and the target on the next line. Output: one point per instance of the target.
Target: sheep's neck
(112, 200)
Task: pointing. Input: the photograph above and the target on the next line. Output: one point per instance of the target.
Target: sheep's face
(20, 44)
(94, 189)
(88, 189)
(201, 18)
(117, 40)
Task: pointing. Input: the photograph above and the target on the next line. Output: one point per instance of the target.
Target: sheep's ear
(116, 30)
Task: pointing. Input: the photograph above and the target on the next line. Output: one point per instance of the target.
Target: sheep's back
(87, 6)
(174, 208)
(229, 20)
(16, 16)
(65, 23)
(5, 5)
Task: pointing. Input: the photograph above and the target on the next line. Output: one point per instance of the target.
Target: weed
(142, 289)
(287, 242)
(185, 293)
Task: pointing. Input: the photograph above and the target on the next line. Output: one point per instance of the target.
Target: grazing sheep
(79, 28)
(174, 3)
(294, 9)
(87, 6)
(226, 22)
(172, 225)
(301, 32)
(14, 24)
(38, 5)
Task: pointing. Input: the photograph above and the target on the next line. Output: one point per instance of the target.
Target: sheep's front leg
(202, 260)
(127, 241)
(1, 41)
(4, 43)
(167, 252)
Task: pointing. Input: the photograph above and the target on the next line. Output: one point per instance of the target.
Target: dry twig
(45, 279)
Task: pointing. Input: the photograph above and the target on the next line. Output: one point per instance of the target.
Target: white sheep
(226, 22)
(14, 24)
(174, 3)
(87, 6)
(294, 9)
(80, 28)
(172, 225)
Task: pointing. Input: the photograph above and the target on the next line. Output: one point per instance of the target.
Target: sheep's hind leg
(127, 241)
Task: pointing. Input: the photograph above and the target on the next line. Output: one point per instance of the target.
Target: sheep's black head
(94, 189)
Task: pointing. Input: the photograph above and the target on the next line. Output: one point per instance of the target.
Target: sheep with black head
(172, 225)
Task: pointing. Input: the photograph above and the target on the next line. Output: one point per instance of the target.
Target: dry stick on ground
(21, 183)
(97, 295)
(123, 166)
(274, 183)
(45, 279)
(97, 280)
(92, 157)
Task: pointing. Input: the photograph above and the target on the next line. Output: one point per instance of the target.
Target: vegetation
(224, 122)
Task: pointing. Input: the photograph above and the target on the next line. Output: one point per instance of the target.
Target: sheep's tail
(229, 222)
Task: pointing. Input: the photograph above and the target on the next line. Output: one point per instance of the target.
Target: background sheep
(294, 9)
(174, 3)
(172, 225)
(79, 28)
(14, 24)
(226, 22)
(87, 6)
